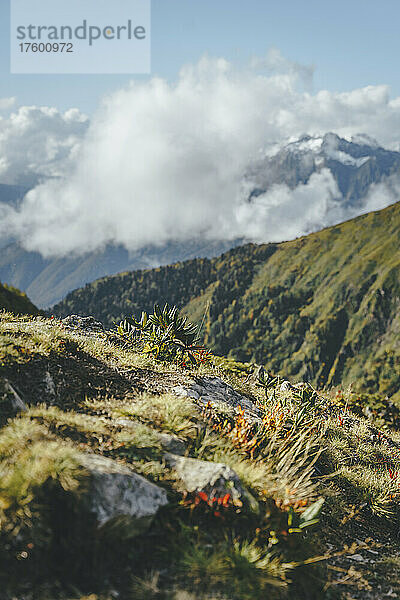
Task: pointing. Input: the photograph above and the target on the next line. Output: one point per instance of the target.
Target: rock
(214, 479)
(87, 325)
(49, 384)
(120, 498)
(172, 443)
(10, 401)
(219, 394)
(286, 386)
(258, 375)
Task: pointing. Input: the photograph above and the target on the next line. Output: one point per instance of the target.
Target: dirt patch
(67, 379)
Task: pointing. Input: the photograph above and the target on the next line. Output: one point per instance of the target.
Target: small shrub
(166, 336)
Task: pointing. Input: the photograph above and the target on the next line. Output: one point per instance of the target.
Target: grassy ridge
(309, 453)
(324, 307)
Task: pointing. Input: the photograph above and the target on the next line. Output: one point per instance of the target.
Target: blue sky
(351, 43)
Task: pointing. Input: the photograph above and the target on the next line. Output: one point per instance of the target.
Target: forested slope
(324, 307)
(15, 301)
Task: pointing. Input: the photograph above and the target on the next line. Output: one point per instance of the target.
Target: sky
(137, 160)
(351, 44)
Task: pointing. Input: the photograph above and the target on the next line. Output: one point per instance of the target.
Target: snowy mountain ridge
(354, 164)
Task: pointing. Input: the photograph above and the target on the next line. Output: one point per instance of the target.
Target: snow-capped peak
(331, 150)
(352, 153)
(362, 139)
(306, 144)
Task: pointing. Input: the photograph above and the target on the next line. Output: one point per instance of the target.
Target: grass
(35, 469)
(302, 452)
(167, 413)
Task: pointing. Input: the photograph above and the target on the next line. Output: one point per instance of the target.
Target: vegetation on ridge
(325, 480)
(165, 335)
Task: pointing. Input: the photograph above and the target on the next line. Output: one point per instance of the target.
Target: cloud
(165, 161)
(38, 143)
(382, 194)
(275, 62)
(7, 103)
(283, 213)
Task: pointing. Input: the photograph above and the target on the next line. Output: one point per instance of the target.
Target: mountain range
(355, 166)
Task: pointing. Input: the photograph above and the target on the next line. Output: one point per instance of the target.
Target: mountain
(355, 165)
(47, 280)
(12, 300)
(324, 307)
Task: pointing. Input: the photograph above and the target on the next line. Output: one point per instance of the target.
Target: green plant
(164, 335)
(297, 522)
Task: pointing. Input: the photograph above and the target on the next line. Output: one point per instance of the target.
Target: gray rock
(50, 387)
(219, 394)
(214, 479)
(120, 498)
(11, 402)
(87, 325)
(286, 386)
(172, 443)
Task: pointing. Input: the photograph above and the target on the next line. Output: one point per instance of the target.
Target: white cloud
(7, 103)
(275, 62)
(283, 213)
(382, 194)
(38, 142)
(163, 161)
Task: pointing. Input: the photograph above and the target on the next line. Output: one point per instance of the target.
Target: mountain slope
(324, 307)
(47, 280)
(12, 300)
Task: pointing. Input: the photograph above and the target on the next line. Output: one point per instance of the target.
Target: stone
(49, 384)
(87, 325)
(214, 479)
(120, 498)
(286, 386)
(172, 443)
(11, 402)
(219, 394)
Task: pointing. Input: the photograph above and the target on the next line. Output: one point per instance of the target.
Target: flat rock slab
(219, 394)
(214, 479)
(119, 497)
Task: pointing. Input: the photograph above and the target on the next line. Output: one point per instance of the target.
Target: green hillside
(324, 308)
(15, 301)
